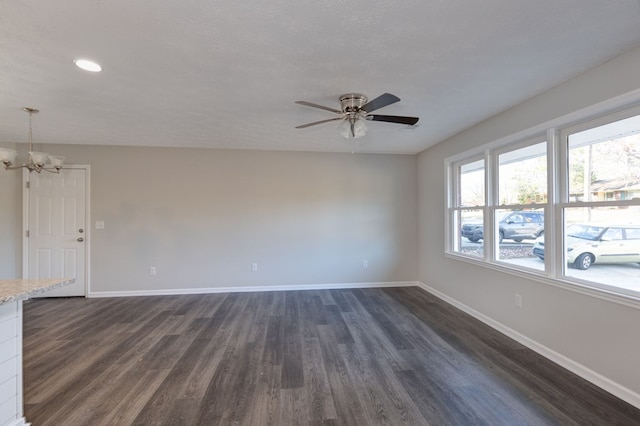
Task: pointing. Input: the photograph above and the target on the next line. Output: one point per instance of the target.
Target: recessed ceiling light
(87, 65)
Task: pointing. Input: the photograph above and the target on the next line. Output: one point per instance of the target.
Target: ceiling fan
(356, 109)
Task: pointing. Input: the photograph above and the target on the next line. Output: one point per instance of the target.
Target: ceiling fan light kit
(37, 160)
(352, 128)
(355, 109)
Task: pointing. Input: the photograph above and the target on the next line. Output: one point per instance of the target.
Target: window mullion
(556, 172)
(453, 182)
(491, 191)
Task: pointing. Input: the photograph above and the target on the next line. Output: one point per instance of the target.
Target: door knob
(80, 239)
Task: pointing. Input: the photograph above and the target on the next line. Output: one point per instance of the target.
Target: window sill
(542, 277)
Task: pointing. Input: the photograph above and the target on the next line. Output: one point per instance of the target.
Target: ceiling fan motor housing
(352, 102)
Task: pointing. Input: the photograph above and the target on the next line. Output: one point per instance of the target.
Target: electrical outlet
(152, 270)
(254, 267)
(365, 263)
(518, 301)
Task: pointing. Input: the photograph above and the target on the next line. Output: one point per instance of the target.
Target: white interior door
(57, 234)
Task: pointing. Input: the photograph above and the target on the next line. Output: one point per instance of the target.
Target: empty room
(320, 213)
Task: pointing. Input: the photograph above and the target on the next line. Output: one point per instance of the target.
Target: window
(633, 233)
(469, 208)
(510, 219)
(603, 171)
(567, 210)
(522, 196)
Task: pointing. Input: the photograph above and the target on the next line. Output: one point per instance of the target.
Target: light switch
(99, 224)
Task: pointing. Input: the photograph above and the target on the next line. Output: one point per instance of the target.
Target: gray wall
(202, 217)
(10, 222)
(600, 335)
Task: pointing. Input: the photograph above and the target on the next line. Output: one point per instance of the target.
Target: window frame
(491, 194)
(564, 198)
(495, 193)
(555, 133)
(454, 203)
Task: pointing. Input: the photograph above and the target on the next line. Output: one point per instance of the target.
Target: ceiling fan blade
(394, 119)
(309, 104)
(319, 122)
(379, 102)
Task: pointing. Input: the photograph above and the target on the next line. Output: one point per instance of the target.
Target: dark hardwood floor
(332, 357)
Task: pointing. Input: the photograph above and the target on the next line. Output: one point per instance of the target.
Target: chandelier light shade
(57, 161)
(39, 158)
(37, 161)
(8, 156)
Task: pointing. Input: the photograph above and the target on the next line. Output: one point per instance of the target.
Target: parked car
(588, 244)
(516, 225)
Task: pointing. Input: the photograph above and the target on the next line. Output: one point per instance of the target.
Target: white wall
(202, 217)
(600, 335)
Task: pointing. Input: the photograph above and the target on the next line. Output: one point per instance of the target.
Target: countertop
(12, 290)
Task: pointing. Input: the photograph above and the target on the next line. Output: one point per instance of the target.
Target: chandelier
(37, 161)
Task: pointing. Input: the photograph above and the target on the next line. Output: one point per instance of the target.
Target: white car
(588, 244)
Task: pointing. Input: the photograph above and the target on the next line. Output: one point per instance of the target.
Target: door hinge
(27, 184)
(27, 233)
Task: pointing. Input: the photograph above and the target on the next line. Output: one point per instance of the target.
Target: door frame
(87, 217)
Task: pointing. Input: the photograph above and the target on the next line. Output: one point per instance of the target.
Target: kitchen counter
(12, 293)
(13, 290)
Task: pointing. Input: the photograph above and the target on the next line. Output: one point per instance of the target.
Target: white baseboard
(597, 379)
(178, 291)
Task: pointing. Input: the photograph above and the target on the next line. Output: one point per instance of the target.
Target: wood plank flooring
(332, 357)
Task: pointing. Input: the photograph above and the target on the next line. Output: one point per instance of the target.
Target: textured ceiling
(225, 74)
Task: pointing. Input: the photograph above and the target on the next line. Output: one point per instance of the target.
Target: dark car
(517, 226)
